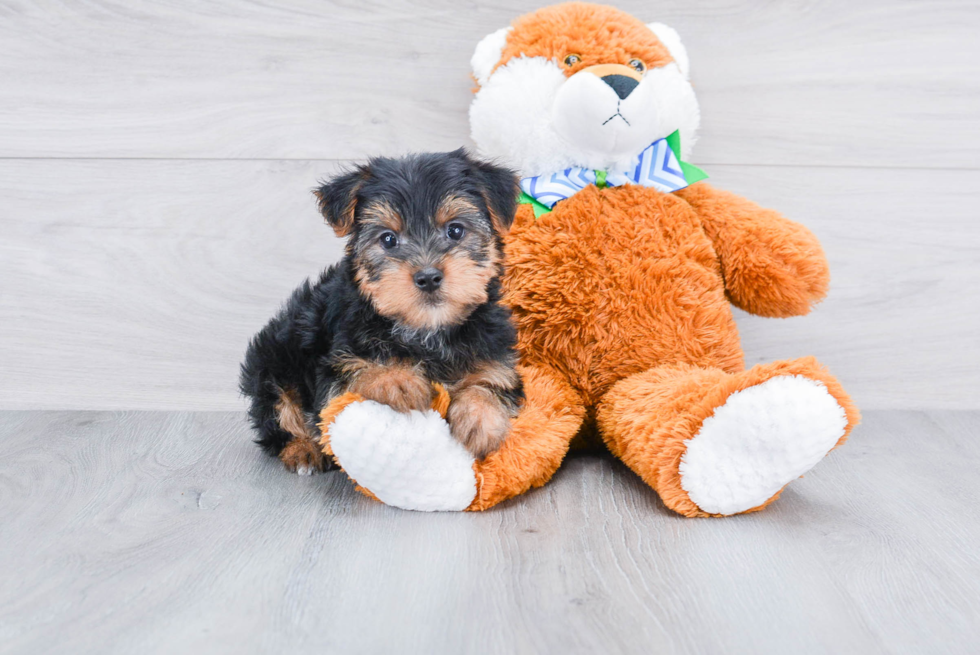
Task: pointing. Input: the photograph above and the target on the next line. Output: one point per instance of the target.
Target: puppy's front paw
(478, 420)
(303, 456)
(399, 387)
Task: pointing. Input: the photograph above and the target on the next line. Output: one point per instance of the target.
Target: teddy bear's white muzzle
(590, 113)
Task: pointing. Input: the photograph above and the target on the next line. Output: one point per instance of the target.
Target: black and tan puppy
(414, 301)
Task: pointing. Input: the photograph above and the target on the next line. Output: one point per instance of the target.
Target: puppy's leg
(398, 385)
(265, 403)
(301, 453)
(482, 405)
(274, 377)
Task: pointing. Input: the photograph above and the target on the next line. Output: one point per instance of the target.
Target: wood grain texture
(832, 82)
(170, 532)
(137, 284)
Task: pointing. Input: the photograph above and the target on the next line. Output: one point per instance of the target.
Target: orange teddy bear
(622, 266)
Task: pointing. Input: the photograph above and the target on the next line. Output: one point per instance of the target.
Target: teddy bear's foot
(714, 443)
(408, 460)
(761, 439)
(413, 462)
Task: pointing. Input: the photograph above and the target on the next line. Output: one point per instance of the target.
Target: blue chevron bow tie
(659, 166)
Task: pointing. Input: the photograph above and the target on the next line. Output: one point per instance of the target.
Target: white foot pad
(762, 438)
(408, 460)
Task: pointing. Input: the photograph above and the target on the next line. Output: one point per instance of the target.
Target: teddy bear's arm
(772, 266)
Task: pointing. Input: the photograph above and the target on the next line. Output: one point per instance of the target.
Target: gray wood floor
(158, 532)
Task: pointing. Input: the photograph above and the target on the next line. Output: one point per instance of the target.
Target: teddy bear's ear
(487, 54)
(672, 40)
(337, 199)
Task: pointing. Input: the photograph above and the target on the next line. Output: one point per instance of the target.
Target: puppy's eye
(388, 240)
(637, 65)
(571, 60)
(455, 231)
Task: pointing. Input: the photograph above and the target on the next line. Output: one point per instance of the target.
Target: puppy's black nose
(622, 85)
(428, 279)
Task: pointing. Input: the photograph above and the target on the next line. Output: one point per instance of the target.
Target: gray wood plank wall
(156, 161)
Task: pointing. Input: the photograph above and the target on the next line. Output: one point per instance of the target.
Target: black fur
(333, 318)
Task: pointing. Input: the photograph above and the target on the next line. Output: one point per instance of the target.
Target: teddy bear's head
(578, 84)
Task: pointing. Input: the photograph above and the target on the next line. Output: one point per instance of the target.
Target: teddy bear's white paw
(762, 438)
(407, 460)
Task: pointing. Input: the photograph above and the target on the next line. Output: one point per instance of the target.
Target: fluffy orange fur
(616, 281)
(772, 266)
(623, 293)
(595, 33)
(647, 417)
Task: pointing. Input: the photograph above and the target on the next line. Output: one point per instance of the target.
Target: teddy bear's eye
(637, 65)
(571, 60)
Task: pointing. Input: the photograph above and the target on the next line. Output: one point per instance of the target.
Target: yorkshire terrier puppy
(415, 300)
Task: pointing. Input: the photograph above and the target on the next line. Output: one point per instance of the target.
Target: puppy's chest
(441, 359)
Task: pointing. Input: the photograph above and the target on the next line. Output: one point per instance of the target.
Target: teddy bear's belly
(617, 281)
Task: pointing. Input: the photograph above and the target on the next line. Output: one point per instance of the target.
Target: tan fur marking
(302, 452)
(452, 207)
(289, 414)
(498, 224)
(478, 420)
(465, 283)
(345, 222)
(477, 417)
(464, 287)
(352, 366)
(382, 213)
(491, 374)
(399, 386)
(395, 295)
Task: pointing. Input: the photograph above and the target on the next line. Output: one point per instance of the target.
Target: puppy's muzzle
(428, 279)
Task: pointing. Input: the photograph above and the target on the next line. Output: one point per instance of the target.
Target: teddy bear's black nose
(621, 84)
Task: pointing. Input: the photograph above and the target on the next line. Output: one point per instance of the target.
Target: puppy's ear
(337, 199)
(499, 188)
